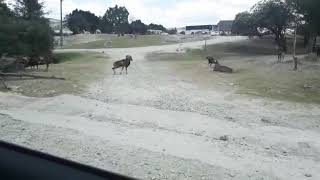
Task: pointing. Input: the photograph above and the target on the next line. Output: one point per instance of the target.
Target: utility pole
(295, 59)
(61, 28)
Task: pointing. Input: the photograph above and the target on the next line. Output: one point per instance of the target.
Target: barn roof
(225, 25)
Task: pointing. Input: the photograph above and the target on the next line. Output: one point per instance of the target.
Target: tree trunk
(314, 43)
(311, 43)
(295, 59)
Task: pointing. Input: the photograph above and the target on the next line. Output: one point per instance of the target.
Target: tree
(157, 27)
(138, 27)
(309, 11)
(172, 31)
(117, 17)
(79, 21)
(26, 31)
(29, 9)
(244, 24)
(274, 15)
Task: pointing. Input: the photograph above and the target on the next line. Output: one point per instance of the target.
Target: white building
(66, 32)
(201, 29)
(154, 31)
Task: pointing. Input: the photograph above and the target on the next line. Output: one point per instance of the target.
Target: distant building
(154, 31)
(66, 32)
(225, 27)
(199, 29)
(98, 31)
(202, 29)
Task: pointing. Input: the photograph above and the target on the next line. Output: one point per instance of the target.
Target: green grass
(65, 57)
(121, 42)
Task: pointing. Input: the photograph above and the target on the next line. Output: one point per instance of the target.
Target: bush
(24, 36)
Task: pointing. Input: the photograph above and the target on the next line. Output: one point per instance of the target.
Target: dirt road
(153, 124)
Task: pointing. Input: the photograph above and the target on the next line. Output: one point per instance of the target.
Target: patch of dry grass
(256, 72)
(79, 69)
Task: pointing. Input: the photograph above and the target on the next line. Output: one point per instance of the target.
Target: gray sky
(170, 13)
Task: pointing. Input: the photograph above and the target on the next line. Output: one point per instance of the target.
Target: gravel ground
(152, 124)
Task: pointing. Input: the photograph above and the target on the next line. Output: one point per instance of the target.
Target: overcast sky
(170, 13)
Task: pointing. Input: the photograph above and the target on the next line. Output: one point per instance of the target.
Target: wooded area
(277, 16)
(115, 20)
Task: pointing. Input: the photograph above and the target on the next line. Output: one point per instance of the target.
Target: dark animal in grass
(45, 60)
(220, 68)
(35, 61)
(210, 60)
(124, 63)
(280, 56)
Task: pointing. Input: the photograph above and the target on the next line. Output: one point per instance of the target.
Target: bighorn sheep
(210, 60)
(220, 68)
(124, 63)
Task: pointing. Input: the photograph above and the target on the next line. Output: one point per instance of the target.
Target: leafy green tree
(79, 21)
(157, 27)
(274, 15)
(308, 10)
(138, 27)
(29, 9)
(244, 24)
(117, 17)
(26, 31)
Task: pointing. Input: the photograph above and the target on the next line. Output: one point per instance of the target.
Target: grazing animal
(220, 68)
(211, 60)
(280, 56)
(124, 63)
(47, 60)
(33, 62)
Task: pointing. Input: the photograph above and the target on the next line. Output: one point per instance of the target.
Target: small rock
(308, 175)
(284, 153)
(224, 138)
(231, 84)
(265, 120)
(231, 175)
(229, 118)
(307, 86)
(98, 154)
